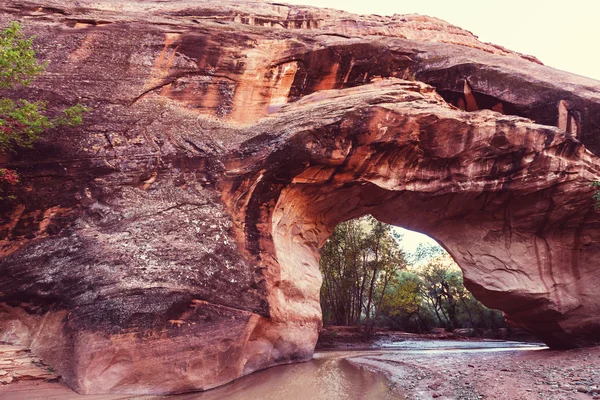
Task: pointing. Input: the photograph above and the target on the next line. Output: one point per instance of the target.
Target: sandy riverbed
(507, 375)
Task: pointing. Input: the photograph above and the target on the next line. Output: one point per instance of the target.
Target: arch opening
(474, 230)
(377, 276)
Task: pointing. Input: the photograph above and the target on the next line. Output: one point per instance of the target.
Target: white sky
(561, 34)
(411, 240)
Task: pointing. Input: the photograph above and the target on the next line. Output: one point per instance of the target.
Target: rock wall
(171, 243)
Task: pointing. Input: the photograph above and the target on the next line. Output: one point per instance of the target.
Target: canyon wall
(171, 242)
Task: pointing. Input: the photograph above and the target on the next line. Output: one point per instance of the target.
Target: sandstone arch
(176, 234)
(495, 192)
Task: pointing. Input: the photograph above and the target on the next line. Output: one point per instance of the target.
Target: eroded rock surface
(171, 243)
(18, 364)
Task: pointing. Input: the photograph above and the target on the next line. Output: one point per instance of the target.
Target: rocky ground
(514, 375)
(18, 364)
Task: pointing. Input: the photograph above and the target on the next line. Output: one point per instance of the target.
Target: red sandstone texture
(171, 243)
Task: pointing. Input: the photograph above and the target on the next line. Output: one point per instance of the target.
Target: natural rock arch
(171, 243)
(508, 199)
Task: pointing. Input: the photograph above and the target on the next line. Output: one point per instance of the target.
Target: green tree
(344, 269)
(403, 305)
(21, 121)
(442, 287)
(358, 263)
(445, 295)
(385, 262)
(404, 296)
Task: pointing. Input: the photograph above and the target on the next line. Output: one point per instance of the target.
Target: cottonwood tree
(358, 262)
(403, 305)
(23, 121)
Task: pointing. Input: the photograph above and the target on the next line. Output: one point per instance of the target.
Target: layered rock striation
(171, 243)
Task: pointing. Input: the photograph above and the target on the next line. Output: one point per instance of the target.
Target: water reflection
(328, 377)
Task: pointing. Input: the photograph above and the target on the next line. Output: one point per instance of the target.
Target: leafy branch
(23, 122)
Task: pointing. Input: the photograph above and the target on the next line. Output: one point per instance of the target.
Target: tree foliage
(368, 281)
(21, 121)
(596, 195)
(359, 262)
(18, 62)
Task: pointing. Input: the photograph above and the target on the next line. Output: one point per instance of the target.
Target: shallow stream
(330, 376)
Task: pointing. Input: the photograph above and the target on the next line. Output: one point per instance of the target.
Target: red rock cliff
(172, 242)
